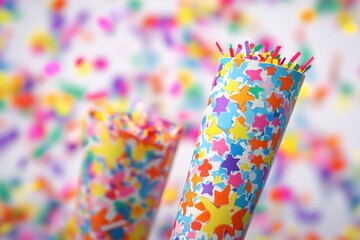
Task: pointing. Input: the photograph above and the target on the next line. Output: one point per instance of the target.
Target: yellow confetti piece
(357, 155)
(5, 16)
(169, 195)
(346, 23)
(185, 16)
(289, 144)
(204, 8)
(185, 79)
(195, 50)
(351, 232)
(343, 103)
(83, 69)
(40, 40)
(304, 92)
(5, 228)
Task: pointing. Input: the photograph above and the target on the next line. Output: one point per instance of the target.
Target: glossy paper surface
(126, 166)
(247, 114)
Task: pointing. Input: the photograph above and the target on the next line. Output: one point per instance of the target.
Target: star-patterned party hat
(251, 101)
(127, 161)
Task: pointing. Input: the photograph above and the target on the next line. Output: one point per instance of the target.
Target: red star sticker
(257, 160)
(222, 198)
(270, 70)
(204, 168)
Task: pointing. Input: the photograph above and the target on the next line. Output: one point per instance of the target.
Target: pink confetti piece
(36, 132)
(105, 24)
(100, 63)
(175, 89)
(51, 69)
(93, 96)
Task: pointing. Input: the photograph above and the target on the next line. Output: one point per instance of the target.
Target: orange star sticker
(242, 97)
(195, 180)
(286, 82)
(188, 200)
(270, 70)
(238, 61)
(274, 101)
(257, 160)
(256, 144)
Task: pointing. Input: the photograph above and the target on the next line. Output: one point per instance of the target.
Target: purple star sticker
(230, 164)
(221, 104)
(207, 188)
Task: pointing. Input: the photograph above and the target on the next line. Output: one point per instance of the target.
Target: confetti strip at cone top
(128, 158)
(247, 113)
(251, 51)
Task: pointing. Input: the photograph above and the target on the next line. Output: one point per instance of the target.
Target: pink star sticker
(236, 180)
(254, 74)
(178, 228)
(260, 122)
(191, 235)
(220, 146)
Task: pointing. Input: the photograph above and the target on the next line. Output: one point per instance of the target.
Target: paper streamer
(128, 158)
(247, 113)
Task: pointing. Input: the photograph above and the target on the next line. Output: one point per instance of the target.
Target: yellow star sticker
(213, 130)
(202, 153)
(217, 179)
(108, 149)
(269, 158)
(232, 86)
(239, 131)
(226, 68)
(218, 215)
(245, 167)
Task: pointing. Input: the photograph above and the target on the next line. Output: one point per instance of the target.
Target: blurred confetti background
(59, 57)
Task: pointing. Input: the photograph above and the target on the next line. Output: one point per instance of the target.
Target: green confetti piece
(52, 138)
(40, 151)
(134, 5)
(234, 27)
(55, 135)
(260, 209)
(74, 90)
(258, 47)
(2, 105)
(4, 193)
(346, 89)
(327, 6)
(305, 54)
